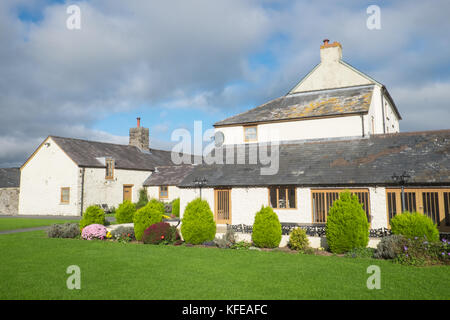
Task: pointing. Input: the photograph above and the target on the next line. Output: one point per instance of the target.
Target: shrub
(66, 230)
(176, 207)
(389, 247)
(123, 234)
(143, 199)
(419, 251)
(241, 245)
(146, 216)
(266, 229)
(347, 227)
(125, 212)
(298, 240)
(92, 215)
(227, 240)
(198, 223)
(94, 231)
(414, 225)
(161, 232)
(361, 253)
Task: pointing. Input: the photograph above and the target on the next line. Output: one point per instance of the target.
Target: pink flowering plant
(94, 231)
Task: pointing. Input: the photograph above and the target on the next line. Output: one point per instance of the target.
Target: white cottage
(65, 175)
(336, 129)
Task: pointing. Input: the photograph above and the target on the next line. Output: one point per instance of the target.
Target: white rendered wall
(348, 126)
(98, 190)
(378, 207)
(153, 193)
(41, 180)
(379, 108)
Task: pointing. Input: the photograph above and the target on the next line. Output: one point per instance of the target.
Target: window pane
(65, 193)
(291, 197)
(282, 198)
(250, 133)
(273, 197)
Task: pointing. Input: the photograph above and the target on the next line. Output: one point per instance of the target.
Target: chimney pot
(325, 42)
(138, 122)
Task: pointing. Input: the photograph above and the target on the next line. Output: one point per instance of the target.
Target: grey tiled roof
(85, 153)
(363, 161)
(9, 177)
(320, 103)
(168, 176)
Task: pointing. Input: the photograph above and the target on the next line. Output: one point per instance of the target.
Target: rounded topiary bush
(150, 214)
(347, 227)
(197, 225)
(176, 207)
(125, 212)
(298, 240)
(414, 225)
(266, 229)
(92, 215)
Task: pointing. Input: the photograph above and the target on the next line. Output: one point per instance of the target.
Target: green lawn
(34, 267)
(19, 223)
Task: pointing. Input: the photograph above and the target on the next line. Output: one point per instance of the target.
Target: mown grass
(21, 223)
(34, 267)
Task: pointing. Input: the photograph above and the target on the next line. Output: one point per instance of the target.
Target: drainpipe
(382, 109)
(82, 191)
(362, 122)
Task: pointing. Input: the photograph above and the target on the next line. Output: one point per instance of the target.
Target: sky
(174, 62)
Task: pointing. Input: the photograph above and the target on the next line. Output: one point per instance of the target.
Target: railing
(312, 230)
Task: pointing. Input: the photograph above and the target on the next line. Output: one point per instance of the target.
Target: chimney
(139, 136)
(330, 53)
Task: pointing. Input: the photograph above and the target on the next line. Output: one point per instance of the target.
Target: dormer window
(109, 169)
(250, 134)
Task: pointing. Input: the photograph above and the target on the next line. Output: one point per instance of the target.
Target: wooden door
(127, 192)
(222, 199)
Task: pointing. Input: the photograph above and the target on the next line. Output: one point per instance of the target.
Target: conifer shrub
(125, 212)
(146, 216)
(266, 229)
(197, 225)
(298, 240)
(347, 227)
(93, 215)
(161, 232)
(176, 207)
(143, 199)
(413, 225)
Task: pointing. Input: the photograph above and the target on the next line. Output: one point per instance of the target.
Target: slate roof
(168, 175)
(9, 177)
(363, 161)
(85, 153)
(332, 102)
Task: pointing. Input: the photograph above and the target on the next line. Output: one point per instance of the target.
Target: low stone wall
(9, 201)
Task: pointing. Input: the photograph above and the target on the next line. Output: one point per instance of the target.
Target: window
(433, 202)
(65, 195)
(282, 198)
(250, 134)
(109, 169)
(322, 201)
(163, 192)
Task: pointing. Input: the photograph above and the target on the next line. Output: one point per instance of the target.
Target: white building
(336, 129)
(64, 176)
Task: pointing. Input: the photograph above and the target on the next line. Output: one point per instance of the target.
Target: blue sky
(174, 62)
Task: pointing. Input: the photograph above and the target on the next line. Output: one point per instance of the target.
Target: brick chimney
(330, 52)
(139, 136)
